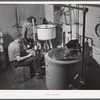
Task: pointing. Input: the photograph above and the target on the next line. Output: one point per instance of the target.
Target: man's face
(29, 24)
(30, 33)
(20, 39)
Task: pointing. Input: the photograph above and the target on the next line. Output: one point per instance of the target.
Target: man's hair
(29, 19)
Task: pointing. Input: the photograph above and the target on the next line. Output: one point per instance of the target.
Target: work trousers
(31, 62)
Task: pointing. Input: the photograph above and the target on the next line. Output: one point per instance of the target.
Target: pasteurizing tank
(46, 31)
(61, 69)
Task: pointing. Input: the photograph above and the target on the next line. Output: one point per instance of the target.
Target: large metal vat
(46, 31)
(60, 71)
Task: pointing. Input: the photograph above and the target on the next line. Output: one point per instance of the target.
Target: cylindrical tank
(46, 31)
(60, 72)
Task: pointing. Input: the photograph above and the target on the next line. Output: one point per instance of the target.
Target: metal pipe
(34, 36)
(70, 23)
(63, 39)
(17, 20)
(92, 5)
(79, 8)
(83, 44)
(77, 23)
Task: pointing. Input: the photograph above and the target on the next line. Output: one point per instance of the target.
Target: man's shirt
(13, 50)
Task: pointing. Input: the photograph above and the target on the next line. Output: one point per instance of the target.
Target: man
(28, 24)
(28, 34)
(17, 60)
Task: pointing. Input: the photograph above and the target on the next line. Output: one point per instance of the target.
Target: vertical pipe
(34, 35)
(77, 23)
(63, 39)
(45, 45)
(51, 46)
(70, 24)
(84, 17)
(33, 29)
(18, 17)
(17, 20)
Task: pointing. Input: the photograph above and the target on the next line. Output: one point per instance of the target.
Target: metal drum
(46, 31)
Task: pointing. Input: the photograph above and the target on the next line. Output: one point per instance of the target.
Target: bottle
(0, 32)
(1, 41)
(1, 48)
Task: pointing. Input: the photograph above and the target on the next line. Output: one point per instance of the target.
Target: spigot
(75, 77)
(70, 86)
(82, 81)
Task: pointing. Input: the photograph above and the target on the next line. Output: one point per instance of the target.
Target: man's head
(29, 19)
(18, 36)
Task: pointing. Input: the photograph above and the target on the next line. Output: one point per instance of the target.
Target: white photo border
(49, 94)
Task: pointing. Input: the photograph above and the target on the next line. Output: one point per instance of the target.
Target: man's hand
(32, 52)
(29, 55)
(28, 51)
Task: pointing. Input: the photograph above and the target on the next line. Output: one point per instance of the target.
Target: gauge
(97, 30)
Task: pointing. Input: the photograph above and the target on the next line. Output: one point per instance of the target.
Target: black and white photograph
(50, 46)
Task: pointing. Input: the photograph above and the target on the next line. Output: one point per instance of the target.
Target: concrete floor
(9, 81)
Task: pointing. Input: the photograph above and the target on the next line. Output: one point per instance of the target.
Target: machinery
(64, 65)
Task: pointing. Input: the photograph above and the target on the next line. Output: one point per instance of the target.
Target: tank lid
(64, 54)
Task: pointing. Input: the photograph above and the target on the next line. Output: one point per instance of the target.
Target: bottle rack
(2, 53)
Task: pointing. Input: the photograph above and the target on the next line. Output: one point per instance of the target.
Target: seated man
(15, 57)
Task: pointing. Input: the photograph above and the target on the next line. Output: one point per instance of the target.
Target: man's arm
(18, 56)
(24, 57)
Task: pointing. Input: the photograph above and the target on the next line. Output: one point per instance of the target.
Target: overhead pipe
(92, 5)
(79, 8)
